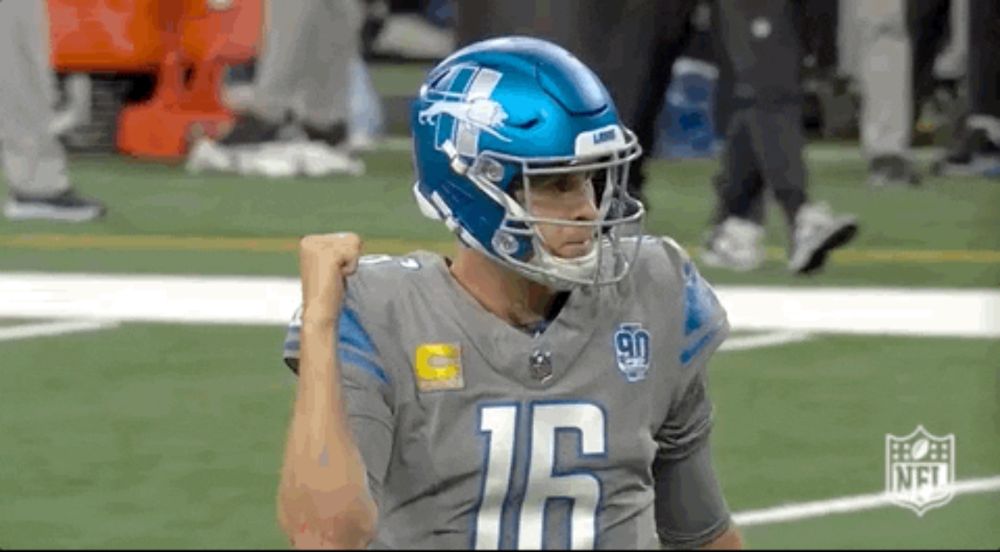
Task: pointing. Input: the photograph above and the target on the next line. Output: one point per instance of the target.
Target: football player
(546, 387)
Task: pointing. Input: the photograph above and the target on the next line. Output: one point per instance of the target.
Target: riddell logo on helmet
(605, 136)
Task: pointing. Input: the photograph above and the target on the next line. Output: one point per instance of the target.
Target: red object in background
(104, 35)
(187, 43)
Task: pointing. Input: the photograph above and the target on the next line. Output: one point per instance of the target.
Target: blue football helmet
(501, 112)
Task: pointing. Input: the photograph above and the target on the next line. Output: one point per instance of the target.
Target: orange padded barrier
(187, 43)
(104, 35)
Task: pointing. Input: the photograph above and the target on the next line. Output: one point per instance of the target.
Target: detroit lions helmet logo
(632, 351)
(461, 108)
(479, 114)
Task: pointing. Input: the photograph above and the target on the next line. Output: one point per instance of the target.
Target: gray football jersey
(477, 434)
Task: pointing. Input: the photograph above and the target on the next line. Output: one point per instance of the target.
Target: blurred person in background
(303, 75)
(938, 31)
(764, 143)
(883, 66)
(976, 149)
(631, 45)
(34, 162)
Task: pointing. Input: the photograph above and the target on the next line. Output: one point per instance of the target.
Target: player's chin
(574, 249)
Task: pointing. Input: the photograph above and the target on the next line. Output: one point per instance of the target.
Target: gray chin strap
(582, 268)
(556, 272)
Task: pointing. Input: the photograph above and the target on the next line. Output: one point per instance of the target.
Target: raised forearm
(323, 498)
(319, 420)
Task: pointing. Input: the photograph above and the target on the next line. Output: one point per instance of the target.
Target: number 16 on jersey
(544, 479)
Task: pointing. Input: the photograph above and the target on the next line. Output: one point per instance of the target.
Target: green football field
(135, 434)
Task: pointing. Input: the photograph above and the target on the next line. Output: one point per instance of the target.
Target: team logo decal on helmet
(471, 110)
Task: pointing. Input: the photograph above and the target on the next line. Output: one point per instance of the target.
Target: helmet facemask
(614, 229)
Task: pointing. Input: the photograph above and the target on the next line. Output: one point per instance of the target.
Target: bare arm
(323, 497)
(730, 539)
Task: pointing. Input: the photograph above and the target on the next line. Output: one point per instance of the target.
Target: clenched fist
(324, 261)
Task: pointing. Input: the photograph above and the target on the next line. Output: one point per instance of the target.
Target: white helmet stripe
(466, 134)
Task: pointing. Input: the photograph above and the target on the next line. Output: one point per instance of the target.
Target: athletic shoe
(818, 231)
(65, 207)
(736, 244)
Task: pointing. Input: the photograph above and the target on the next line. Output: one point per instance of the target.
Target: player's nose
(584, 210)
(581, 207)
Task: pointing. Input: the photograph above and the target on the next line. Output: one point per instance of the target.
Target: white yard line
(872, 311)
(150, 298)
(272, 300)
(45, 329)
(744, 342)
(848, 504)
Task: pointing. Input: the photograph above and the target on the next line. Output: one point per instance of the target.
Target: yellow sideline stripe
(40, 242)
(930, 256)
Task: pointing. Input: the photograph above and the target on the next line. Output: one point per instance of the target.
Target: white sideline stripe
(150, 298)
(886, 311)
(741, 343)
(268, 301)
(43, 329)
(848, 504)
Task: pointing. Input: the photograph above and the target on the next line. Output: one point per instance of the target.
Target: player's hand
(324, 262)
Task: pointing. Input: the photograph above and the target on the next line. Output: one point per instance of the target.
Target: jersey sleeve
(366, 387)
(704, 325)
(690, 507)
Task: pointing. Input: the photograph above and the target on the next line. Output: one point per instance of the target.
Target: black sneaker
(334, 135)
(974, 154)
(66, 207)
(250, 129)
(891, 170)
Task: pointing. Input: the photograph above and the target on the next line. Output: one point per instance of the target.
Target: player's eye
(575, 182)
(565, 184)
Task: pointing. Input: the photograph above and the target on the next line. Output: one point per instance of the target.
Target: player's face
(564, 197)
